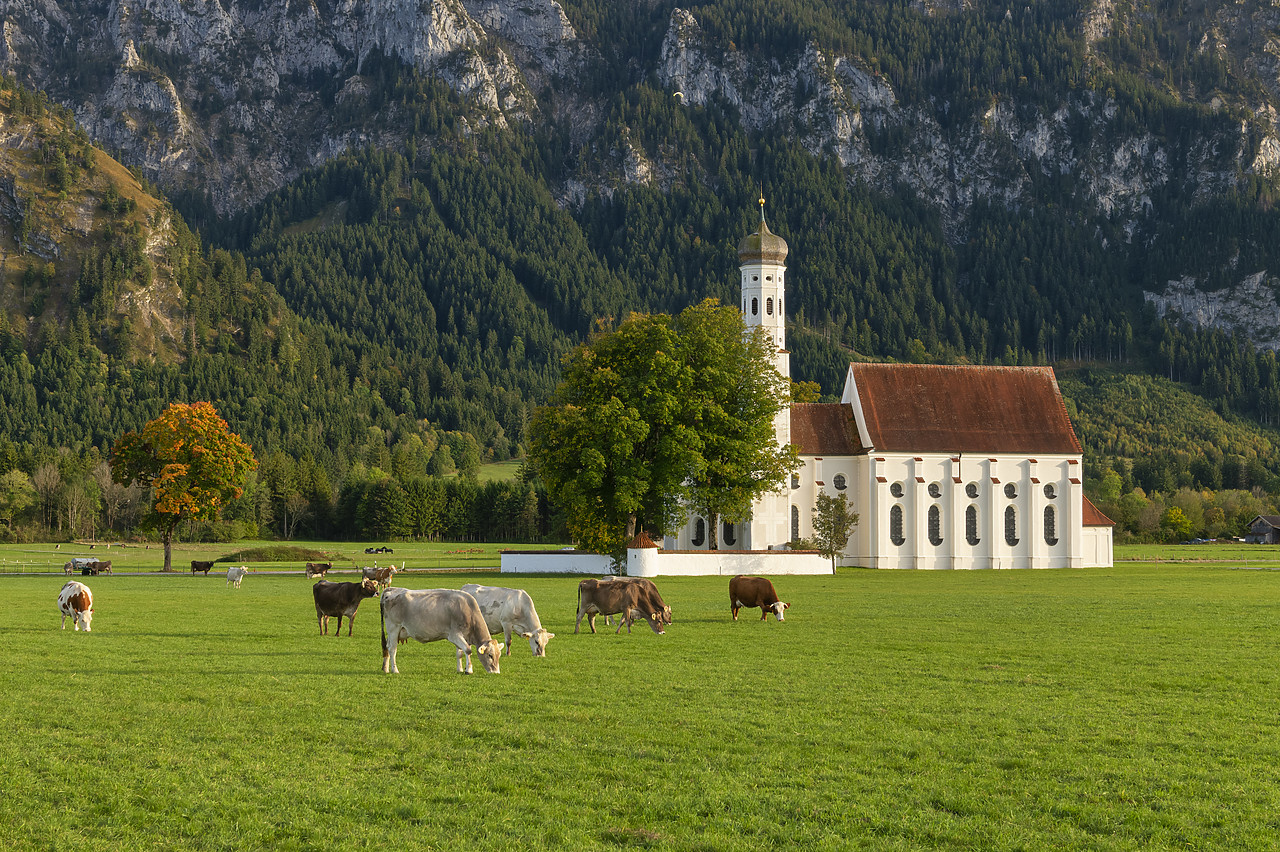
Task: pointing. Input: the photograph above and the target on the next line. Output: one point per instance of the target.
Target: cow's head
(538, 640)
(490, 654)
(84, 620)
(368, 588)
(655, 622)
(778, 607)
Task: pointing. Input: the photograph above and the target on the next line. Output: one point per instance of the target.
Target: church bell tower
(761, 259)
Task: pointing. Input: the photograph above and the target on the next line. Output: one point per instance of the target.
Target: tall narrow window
(768, 306)
(699, 533)
(935, 526)
(1050, 526)
(795, 523)
(895, 526)
(728, 534)
(1010, 526)
(971, 526)
(755, 306)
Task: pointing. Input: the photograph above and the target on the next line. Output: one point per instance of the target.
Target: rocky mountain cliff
(233, 99)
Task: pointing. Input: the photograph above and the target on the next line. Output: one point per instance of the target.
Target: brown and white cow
(511, 610)
(751, 592)
(607, 597)
(197, 565)
(236, 573)
(76, 600)
(318, 569)
(381, 576)
(431, 614)
(339, 599)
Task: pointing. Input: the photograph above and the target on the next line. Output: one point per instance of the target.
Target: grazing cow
(381, 576)
(649, 597)
(68, 567)
(76, 600)
(200, 566)
(339, 599)
(751, 592)
(431, 614)
(236, 574)
(318, 569)
(101, 566)
(507, 610)
(609, 597)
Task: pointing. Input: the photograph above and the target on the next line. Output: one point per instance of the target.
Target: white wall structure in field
(948, 467)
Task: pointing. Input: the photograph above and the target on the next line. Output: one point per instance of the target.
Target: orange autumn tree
(193, 463)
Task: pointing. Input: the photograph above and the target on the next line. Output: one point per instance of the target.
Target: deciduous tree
(833, 523)
(191, 460)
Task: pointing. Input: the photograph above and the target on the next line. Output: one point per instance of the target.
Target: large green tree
(193, 463)
(658, 414)
(737, 394)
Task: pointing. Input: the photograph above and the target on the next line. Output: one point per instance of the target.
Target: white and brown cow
(76, 600)
(511, 610)
(339, 599)
(235, 574)
(609, 597)
(431, 614)
(381, 576)
(751, 592)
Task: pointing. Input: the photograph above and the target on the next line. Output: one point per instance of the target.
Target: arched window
(795, 523)
(839, 482)
(768, 306)
(1010, 526)
(935, 526)
(895, 526)
(755, 306)
(728, 534)
(699, 533)
(1050, 526)
(971, 526)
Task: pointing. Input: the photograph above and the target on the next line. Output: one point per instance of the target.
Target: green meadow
(1127, 708)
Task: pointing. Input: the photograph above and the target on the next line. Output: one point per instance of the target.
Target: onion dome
(764, 246)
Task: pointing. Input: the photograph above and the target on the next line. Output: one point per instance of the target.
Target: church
(948, 467)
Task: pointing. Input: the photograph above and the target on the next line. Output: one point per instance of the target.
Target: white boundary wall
(556, 562)
(651, 562)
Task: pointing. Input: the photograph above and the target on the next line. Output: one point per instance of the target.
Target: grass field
(1127, 708)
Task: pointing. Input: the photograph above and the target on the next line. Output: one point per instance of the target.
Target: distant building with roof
(947, 466)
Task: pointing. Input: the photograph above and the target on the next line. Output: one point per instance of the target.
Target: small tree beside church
(833, 524)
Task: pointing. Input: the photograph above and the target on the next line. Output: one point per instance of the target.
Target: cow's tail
(382, 619)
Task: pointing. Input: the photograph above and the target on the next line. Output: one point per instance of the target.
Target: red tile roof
(936, 409)
(1091, 517)
(824, 429)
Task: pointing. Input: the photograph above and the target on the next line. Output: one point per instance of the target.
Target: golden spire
(762, 202)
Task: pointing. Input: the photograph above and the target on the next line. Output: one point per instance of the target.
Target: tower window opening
(755, 306)
(768, 306)
(935, 526)
(699, 532)
(971, 525)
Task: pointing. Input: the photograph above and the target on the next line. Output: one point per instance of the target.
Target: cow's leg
(464, 651)
(591, 621)
(506, 635)
(577, 623)
(351, 621)
(764, 612)
(64, 621)
(323, 621)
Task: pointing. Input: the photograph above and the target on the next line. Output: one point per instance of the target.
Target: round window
(972, 490)
(935, 490)
(896, 489)
(1010, 490)
(839, 481)
(1050, 491)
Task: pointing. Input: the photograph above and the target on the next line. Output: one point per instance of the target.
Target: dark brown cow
(200, 566)
(608, 597)
(649, 597)
(751, 592)
(339, 599)
(102, 566)
(318, 569)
